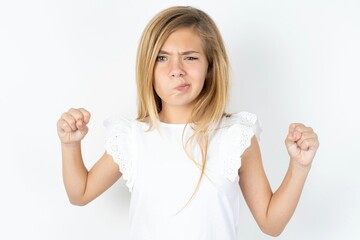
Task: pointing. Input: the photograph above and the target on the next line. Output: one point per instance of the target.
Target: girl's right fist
(72, 125)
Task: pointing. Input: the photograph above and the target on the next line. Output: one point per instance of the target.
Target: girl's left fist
(301, 143)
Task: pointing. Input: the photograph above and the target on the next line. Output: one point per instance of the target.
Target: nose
(176, 68)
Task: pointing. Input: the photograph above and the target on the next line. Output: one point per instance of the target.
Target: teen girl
(183, 158)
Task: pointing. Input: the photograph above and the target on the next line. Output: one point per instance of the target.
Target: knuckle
(84, 112)
(59, 125)
(73, 111)
(76, 114)
(72, 121)
(298, 128)
(64, 125)
(64, 115)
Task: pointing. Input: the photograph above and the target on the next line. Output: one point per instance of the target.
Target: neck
(175, 114)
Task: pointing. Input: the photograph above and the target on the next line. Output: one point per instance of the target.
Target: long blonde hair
(211, 102)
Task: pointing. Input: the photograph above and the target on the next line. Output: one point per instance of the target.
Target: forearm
(74, 172)
(284, 201)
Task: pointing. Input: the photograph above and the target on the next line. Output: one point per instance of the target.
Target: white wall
(292, 61)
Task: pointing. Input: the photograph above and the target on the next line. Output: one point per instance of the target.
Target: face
(180, 69)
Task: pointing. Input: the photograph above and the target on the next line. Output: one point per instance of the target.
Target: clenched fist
(72, 125)
(302, 143)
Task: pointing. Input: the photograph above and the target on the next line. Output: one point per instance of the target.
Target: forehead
(185, 38)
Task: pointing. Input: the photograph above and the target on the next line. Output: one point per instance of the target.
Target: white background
(292, 61)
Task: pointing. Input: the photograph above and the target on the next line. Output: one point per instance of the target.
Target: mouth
(182, 87)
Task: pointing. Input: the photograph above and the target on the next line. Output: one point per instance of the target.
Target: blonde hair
(211, 102)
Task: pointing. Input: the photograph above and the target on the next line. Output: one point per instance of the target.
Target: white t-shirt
(161, 178)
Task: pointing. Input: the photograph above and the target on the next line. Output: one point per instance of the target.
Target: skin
(82, 186)
(182, 60)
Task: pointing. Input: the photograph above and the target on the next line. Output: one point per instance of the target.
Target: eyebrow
(181, 53)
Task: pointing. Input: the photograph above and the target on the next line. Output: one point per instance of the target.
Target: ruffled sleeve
(239, 129)
(119, 144)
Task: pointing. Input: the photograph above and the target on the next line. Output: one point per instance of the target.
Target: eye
(161, 58)
(191, 58)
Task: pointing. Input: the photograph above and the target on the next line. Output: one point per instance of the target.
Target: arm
(272, 211)
(82, 186)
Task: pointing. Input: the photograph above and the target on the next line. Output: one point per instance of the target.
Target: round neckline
(172, 125)
(168, 125)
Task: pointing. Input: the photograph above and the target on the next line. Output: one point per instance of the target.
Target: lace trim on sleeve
(118, 145)
(242, 127)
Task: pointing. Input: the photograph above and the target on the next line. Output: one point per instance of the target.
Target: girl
(181, 157)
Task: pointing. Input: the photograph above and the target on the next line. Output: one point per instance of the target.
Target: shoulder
(242, 121)
(119, 145)
(118, 123)
(243, 117)
(238, 130)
